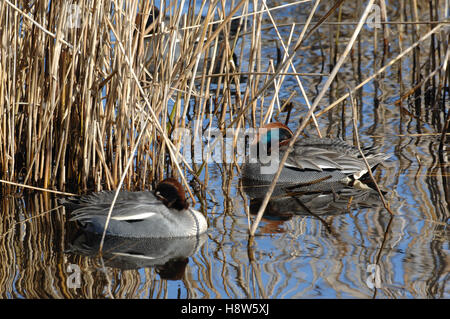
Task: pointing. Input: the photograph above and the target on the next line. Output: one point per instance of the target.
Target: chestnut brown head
(171, 193)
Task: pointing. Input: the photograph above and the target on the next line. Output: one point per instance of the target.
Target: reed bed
(77, 102)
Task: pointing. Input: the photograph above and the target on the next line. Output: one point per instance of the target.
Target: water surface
(363, 252)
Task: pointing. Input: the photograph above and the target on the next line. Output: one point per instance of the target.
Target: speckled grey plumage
(92, 210)
(316, 159)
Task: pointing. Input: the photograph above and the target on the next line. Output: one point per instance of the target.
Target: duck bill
(268, 152)
(263, 151)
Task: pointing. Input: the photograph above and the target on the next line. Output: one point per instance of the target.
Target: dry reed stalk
(36, 188)
(286, 55)
(269, 82)
(385, 25)
(309, 114)
(358, 145)
(23, 14)
(381, 70)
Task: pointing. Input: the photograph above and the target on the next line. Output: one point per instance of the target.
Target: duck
(313, 160)
(164, 213)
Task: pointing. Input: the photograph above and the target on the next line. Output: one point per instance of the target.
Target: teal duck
(163, 213)
(312, 160)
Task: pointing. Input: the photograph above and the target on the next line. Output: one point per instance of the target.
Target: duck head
(171, 193)
(267, 135)
(149, 19)
(152, 17)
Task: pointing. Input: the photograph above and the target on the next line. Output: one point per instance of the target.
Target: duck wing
(321, 154)
(129, 206)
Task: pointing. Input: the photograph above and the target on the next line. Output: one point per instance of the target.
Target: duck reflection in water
(327, 200)
(169, 256)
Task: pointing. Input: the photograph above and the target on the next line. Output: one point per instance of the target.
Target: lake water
(357, 250)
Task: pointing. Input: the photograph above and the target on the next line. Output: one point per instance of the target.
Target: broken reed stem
(373, 76)
(309, 114)
(358, 145)
(37, 188)
(286, 55)
(53, 35)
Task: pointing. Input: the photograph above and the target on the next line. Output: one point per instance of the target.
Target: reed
(78, 100)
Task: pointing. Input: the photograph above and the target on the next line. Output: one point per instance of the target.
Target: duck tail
(69, 203)
(374, 161)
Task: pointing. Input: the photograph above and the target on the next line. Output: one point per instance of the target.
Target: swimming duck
(163, 213)
(312, 160)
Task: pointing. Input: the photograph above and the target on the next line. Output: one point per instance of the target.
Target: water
(363, 252)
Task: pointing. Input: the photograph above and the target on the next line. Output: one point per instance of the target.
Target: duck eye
(284, 135)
